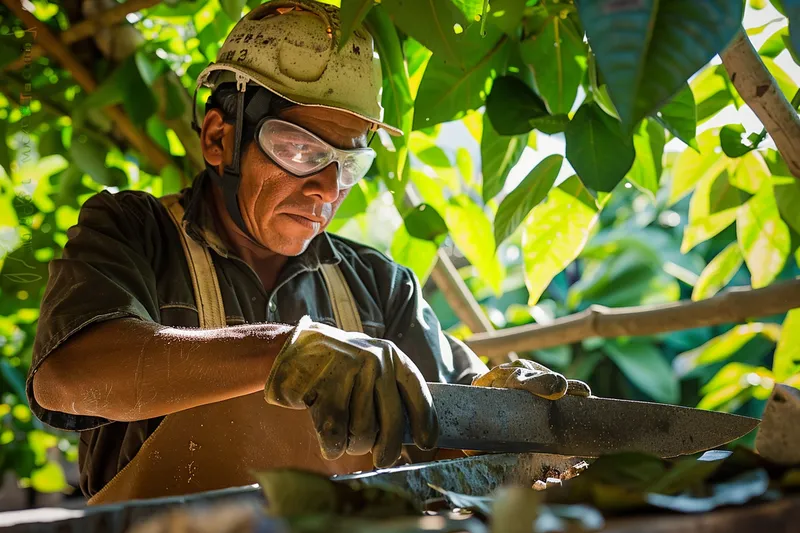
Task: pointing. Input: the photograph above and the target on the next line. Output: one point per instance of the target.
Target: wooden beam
(85, 29)
(761, 93)
(734, 305)
(55, 49)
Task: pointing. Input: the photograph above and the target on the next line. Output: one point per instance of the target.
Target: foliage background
(676, 206)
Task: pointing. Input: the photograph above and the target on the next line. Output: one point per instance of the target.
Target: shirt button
(272, 306)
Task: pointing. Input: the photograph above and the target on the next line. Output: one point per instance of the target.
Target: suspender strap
(344, 305)
(207, 295)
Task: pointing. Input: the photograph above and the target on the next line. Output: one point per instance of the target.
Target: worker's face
(284, 212)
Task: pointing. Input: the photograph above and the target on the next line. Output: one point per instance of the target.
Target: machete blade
(506, 420)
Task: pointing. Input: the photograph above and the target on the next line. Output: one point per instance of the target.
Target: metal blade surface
(491, 419)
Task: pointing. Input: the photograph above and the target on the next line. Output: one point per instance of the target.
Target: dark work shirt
(124, 259)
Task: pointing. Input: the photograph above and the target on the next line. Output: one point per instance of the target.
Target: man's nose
(324, 184)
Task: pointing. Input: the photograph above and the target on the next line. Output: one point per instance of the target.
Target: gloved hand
(356, 388)
(532, 377)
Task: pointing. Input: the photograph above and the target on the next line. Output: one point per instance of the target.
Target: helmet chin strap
(231, 178)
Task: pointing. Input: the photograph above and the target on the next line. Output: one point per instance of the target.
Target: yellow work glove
(356, 389)
(532, 377)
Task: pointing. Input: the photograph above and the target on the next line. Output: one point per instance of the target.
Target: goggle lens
(301, 153)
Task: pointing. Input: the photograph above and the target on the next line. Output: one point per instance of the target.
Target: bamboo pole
(760, 91)
(85, 29)
(61, 53)
(734, 305)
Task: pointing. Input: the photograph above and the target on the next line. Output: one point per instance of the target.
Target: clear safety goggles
(301, 153)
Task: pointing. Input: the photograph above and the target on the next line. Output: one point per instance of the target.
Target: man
(194, 339)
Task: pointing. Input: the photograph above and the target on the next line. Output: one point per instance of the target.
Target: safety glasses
(301, 153)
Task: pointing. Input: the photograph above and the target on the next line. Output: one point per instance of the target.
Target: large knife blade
(506, 420)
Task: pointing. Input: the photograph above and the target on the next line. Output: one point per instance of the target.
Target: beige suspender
(206, 286)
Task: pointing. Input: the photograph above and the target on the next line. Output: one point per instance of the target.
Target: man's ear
(212, 137)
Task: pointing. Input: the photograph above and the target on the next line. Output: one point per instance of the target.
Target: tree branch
(761, 92)
(85, 29)
(734, 305)
(61, 53)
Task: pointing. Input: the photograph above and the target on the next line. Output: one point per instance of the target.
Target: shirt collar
(200, 226)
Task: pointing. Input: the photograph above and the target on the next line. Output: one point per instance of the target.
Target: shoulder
(139, 205)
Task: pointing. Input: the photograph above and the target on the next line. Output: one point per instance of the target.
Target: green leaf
(351, 15)
(464, 164)
(150, 67)
(713, 91)
(693, 167)
(90, 156)
(472, 9)
(763, 237)
(643, 364)
(774, 45)
(597, 149)
(730, 139)
(499, 154)
(137, 97)
(645, 63)
(557, 57)
(175, 103)
(432, 23)
(527, 195)
(512, 105)
(787, 196)
(792, 9)
(49, 478)
(448, 90)
(424, 222)
(475, 239)
(506, 14)
(417, 254)
(787, 353)
(649, 143)
(554, 233)
(718, 273)
(723, 346)
(5, 153)
(750, 173)
(619, 35)
(679, 116)
(233, 8)
(713, 208)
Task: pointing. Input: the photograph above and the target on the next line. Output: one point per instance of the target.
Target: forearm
(132, 370)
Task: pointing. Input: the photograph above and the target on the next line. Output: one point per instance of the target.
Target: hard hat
(291, 48)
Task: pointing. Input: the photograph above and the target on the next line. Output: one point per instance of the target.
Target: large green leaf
(475, 239)
(787, 353)
(692, 167)
(713, 91)
(679, 116)
(499, 154)
(507, 14)
(432, 23)
(713, 208)
(643, 364)
(424, 222)
(787, 196)
(90, 156)
(763, 237)
(648, 49)
(750, 172)
(792, 10)
(718, 272)
(472, 9)
(351, 15)
(512, 105)
(417, 254)
(554, 233)
(723, 346)
(233, 8)
(448, 91)
(557, 57)
(649, 143)
(527, 195)
(597, 149)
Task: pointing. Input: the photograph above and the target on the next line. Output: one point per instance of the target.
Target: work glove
(532, 377)
(356, 388)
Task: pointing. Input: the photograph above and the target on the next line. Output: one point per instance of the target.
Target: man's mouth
(310, 221)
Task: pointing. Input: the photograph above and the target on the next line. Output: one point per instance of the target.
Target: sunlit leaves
(527, 195)
(448, 90)
(692, 167)
(597, 148)
(647, 50)
(554, 233)
(713, 91)
(787, 196)
(432, 23)
(713, 208)
(233, 8)
(763, 237)
(49, 478)
(417, 254)
(643, 364)
(512, 105)
(475, 238)
(499, 154)
(351, 15)
(646, 170)
(718, 272)
(557, 57)
(679, 116)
